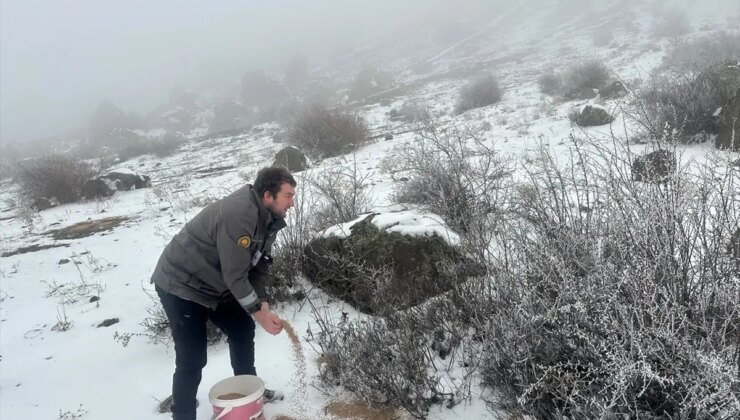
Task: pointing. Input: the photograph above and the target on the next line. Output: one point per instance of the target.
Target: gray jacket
(223, 251)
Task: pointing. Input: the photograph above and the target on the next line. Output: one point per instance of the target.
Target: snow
(45, 373)
(405, 222)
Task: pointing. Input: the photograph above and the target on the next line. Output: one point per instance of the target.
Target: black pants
(188, 324)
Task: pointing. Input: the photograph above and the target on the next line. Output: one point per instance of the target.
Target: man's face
(281, 202)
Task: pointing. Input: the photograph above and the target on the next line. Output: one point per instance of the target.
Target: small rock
(63, 261)
(389, 136)
(403, 179)
(94, 299)
(108, 322)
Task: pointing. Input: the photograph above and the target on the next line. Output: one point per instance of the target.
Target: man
(215, 268)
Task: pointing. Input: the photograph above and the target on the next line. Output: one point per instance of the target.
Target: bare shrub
(691, 56)
(284, 284)
(368, 81)
(412, 112)
(615, 299)
(411, 359)
(682, 106)
(452, 172)
(342, 193)
(321, 132)
(551, 84)
(578, 81)
(54, 176)
(479, 93)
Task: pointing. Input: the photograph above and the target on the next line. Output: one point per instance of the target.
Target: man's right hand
(268, 320)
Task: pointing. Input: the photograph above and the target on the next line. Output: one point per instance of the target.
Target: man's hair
(271, 179)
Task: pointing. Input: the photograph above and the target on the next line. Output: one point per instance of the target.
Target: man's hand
(268, 320)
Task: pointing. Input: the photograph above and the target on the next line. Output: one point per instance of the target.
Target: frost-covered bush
(691, 56)
(479, 93)
(54, 176)
(613, 298)
(411, 359)
(683, 106)
(578, 81)
(452, 172)
(319, 131)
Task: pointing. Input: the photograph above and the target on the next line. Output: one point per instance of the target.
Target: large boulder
(125, 182)
(97, 188)
(729, 124)
(291, 158)
(43, 203)
(386, 262)
(591, 115)
(106, 185)
(655, 167)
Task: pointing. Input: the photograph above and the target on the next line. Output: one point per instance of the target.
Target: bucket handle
(223, 412)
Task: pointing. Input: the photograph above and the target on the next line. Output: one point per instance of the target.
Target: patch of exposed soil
(31, 248)
(84, 229)
(360, 410)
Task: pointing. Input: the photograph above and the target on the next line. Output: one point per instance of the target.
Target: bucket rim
(248, 399)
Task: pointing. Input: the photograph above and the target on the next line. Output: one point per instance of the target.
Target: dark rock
(42, 203)
(125, 182)
(389, 136)
(591, 115)
(654, 167)
(63, 261)
(729, 124)
(108, 322)
(395, 115)
(96, 188)
(614, 90)
(291, 158)
(94, 299)
(380, 272)
(403, 179)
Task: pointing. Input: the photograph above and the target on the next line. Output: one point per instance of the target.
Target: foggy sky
(59, 59)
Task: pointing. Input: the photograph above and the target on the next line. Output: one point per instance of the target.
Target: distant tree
(368, 81)
(296, 71)
(261, 91)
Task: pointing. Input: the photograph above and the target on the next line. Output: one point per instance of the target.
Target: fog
(60, 59)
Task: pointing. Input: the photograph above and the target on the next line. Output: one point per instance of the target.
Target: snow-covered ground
(49, 371)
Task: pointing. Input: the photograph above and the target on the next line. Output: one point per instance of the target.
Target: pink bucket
(248, 407)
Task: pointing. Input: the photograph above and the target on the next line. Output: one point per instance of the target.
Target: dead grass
(84, 229)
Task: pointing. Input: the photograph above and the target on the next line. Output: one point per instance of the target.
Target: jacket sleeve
(232, 226)
(258, 277)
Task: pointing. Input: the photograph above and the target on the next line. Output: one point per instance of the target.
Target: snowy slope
(85, 372)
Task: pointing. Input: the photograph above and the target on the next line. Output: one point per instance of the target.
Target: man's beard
(275, 214)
